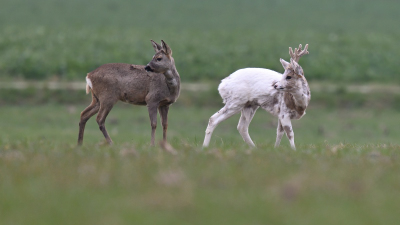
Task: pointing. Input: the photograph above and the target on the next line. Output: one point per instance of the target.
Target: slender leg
(163, 110)
(152, 108)
(105, 108)
(279, 133)
(244, 122)
(91, 110)
(287, 126)
(217, 118)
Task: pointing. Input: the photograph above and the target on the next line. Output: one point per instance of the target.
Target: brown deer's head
(291, 78)
(162, 60)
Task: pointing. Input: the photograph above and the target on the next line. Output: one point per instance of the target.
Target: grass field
(350, 41)
(346, 169)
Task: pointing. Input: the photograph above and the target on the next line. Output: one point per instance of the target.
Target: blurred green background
(345, 171)
(354, 41)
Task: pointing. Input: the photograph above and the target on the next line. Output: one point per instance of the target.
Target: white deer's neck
(302, 94)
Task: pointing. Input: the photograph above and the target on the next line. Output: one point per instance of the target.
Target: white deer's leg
(287, 126)
(279, 133)
(217, 118)
(244, 122)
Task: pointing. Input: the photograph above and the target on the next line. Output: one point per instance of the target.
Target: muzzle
(149, 69)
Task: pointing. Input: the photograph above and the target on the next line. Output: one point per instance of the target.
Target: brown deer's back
(126, 82)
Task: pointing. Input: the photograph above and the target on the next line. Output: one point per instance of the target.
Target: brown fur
(132, 84)
(288, 131)
(280, 128)
(291, 105)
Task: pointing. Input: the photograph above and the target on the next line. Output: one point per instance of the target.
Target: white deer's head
(293, 75)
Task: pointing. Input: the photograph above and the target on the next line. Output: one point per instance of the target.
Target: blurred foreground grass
(346, 169)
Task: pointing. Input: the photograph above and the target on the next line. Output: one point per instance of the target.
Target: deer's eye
(288, 77)
(159, 59)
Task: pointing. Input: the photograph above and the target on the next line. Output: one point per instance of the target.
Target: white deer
(283, 95)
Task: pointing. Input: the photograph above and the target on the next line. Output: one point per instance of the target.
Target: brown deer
(156, 85)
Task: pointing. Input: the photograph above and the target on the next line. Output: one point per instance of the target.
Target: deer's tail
(88, 85)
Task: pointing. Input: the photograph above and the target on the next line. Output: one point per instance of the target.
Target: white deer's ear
(156, 46)
(166, 48)
(297, 68)
(299, 71)
(284, 64)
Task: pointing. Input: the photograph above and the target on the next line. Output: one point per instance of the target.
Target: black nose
(147, 68)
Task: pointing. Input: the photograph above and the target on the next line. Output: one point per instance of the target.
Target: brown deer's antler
(298, 52)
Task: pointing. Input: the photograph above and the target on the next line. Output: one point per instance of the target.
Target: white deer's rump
(88, 85)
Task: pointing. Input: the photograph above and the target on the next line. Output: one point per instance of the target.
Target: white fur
(283, 95)
(248, 84)
(248, 89)
(89, 82)
(88, 85)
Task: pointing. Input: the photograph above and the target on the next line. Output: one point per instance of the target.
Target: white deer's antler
(298, 52)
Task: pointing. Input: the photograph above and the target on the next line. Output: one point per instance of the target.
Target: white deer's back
(249, 84)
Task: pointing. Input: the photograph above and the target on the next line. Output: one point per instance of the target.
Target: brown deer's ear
(156, 46)
(285, 64)
(166, 48)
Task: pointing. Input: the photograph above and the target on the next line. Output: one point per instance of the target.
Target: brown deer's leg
(92, 109)
(101, 118)
(152, 108)
(164, 119)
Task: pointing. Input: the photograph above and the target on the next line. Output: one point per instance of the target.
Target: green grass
(351, 41)
(344, 171)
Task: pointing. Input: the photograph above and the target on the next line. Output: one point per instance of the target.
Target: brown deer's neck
(173, 81)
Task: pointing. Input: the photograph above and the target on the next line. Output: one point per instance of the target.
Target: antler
(298, 52)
